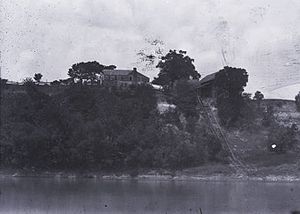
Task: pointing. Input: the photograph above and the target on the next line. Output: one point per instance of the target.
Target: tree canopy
(230, 83)
(175, 66)
(87, 71)
(37, 77)
(258, 96)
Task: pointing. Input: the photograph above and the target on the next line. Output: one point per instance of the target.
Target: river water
(45, 195)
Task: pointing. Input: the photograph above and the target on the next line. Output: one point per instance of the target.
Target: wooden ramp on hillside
(217, 130)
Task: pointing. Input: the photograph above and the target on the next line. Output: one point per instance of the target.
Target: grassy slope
(251, 145)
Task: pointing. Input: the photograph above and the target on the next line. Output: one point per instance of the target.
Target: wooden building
(123, 78)
(207, 86)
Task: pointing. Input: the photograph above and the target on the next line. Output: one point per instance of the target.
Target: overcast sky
(48, 36)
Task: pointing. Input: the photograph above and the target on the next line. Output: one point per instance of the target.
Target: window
(130, 78)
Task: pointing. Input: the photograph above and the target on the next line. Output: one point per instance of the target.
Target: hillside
(252, 145)
(251, 141)
(97, 129)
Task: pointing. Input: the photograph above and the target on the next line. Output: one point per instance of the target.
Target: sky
(48, 36)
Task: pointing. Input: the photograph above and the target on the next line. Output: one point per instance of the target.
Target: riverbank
(213, 172)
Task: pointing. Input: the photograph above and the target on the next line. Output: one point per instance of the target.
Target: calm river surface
(42, 195)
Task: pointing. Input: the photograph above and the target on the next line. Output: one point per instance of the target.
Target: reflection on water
(40, 195)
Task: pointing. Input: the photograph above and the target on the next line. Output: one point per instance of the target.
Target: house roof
(143, 75)
(116, 72)
(119, 72)
(208, 78)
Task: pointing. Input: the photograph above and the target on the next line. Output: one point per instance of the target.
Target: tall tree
(258, 96)
(230, 83)
(175, 66)
(37, 77)
(87, 71)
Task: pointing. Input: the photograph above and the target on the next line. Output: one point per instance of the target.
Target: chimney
(134, 76)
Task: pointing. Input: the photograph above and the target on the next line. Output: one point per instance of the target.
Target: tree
(186, 98)
(28, 81)
(3, 82)
(175, 66)
(297, 101)
(87, 71)
(37, 77)
(258, 96)
(230, 83)
(38, 97)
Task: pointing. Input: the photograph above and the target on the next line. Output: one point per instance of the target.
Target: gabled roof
(143, 75)
(116, 72)
(119, 72)
(208, 78)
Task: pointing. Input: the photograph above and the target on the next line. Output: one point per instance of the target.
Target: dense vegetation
(175, 66)
(87, 71)
(86, 125)
(230, 83)
(92, 127)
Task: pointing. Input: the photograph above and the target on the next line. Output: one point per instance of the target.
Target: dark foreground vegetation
(86, 127)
